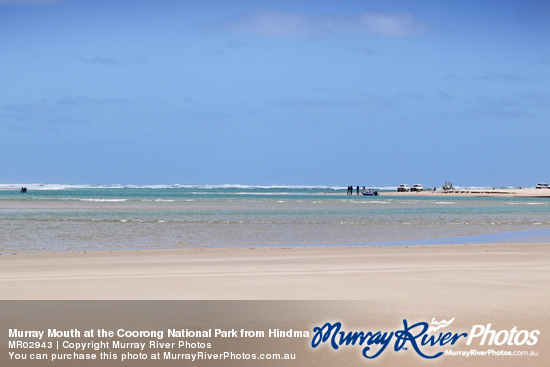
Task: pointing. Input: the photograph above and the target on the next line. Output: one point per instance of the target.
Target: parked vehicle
(403, 188)
(417, 187)
(542, 186)
(448, 186)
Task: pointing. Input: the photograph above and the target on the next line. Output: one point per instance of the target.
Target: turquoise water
(82, 218)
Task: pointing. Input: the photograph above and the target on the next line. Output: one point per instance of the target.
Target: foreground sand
(511, 274)
(507, 285)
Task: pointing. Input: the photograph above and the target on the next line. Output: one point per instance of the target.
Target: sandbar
(512, 193)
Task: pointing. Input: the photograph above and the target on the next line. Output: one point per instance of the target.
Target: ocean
(71, 218)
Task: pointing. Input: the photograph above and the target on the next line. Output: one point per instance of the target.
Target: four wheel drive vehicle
(417, 187)
(403, 188)
(542, 186)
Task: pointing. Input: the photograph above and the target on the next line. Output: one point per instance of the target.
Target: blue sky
(275, 92)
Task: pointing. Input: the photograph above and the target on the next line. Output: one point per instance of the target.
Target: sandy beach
(512, 273)
(507, 285)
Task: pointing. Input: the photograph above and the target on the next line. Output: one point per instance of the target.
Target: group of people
(364, 191)
(350, 190)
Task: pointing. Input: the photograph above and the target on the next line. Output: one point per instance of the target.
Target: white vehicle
(403, 188)
(542, 186)
(417, 187)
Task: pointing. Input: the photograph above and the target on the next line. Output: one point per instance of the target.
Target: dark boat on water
(370, 193)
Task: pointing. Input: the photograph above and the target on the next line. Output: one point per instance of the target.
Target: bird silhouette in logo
(439, 325)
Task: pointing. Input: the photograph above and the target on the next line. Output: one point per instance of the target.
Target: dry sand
(473, 274)
(507, 285)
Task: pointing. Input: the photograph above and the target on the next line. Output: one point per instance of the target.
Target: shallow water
(49, 219)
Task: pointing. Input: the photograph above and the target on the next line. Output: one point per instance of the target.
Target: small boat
(370, 193)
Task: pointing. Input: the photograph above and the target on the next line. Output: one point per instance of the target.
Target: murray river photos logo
(421, 337)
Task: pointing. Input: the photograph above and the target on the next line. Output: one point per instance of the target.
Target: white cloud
(391, 24)
(301, 25)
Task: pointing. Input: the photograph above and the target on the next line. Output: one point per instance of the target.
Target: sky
(275, 92)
